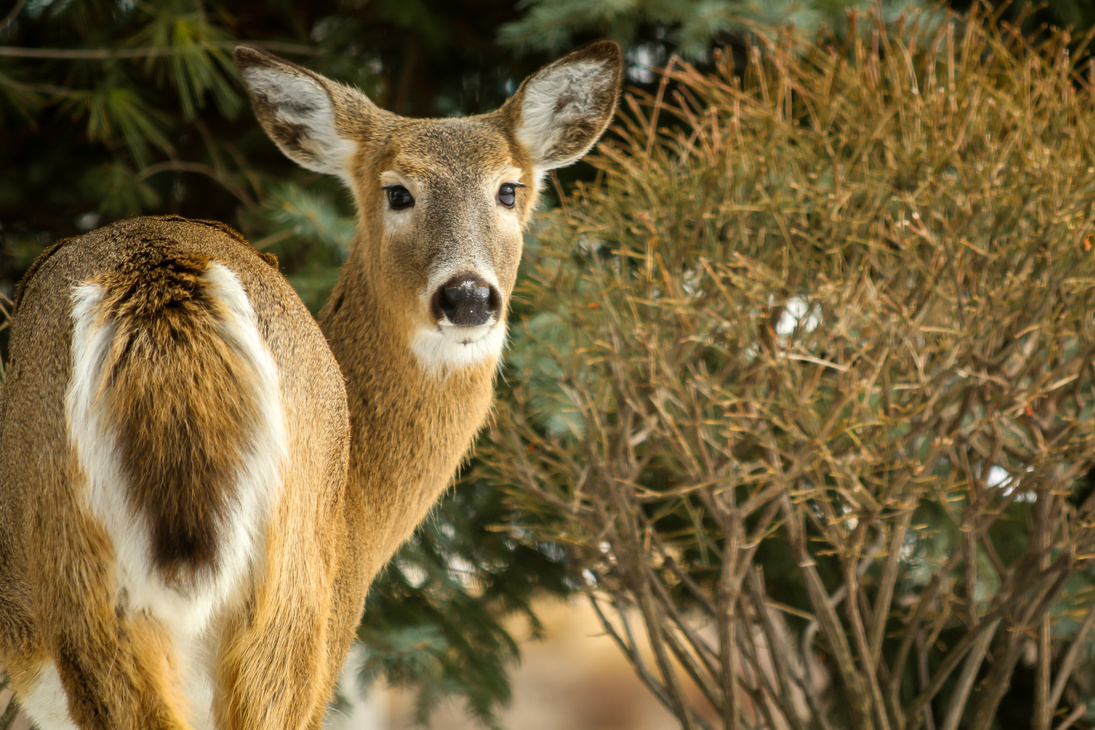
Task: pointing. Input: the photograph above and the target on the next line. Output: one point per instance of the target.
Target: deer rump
(156, 487)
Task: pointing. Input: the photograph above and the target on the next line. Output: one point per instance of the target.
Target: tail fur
(174, 403)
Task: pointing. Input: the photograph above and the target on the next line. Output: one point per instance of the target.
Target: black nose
(466, 301)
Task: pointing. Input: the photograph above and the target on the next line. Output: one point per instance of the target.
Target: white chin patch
(447, 347)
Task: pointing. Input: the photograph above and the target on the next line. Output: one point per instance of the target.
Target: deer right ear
(561, 110)
(305, 114)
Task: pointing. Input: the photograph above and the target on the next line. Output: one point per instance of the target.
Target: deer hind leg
(98, 667)
(276, 654)
(271, 668)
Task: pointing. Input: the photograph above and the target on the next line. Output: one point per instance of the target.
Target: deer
(199, 481)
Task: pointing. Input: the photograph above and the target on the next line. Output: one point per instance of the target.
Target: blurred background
(117, 108)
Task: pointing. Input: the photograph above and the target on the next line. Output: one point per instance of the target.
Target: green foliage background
(115, 108)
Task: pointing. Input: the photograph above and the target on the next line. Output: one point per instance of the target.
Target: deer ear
(307, 115)
(561, 110)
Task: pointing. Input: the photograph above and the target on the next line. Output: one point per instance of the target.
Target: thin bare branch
(109, 54)
(631, 652)
(726, 600)
(1071, 656)
(859, 700)
(789, 669)
(12, 15)
(884, 600)
(859, 637)
(1043, 710)
(1070, 719)
(967, 677)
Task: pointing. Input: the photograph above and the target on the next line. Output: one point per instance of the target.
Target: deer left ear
(308, 116)
(561, 111)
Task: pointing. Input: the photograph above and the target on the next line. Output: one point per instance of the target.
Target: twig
(110, 54)
(967, 677)
(762, 693)
(10, 18)
(1043, 710)
(859, 637)
(36, 88)
(726, 598)
(652, 617)
(829, 621)
(924, 675)
(1072, 718)
(631, 650)
(786, 667)
(687, 660)
(1068, 661)
(702, 649)
(998, 679)
(884, 599)
(951, 661)
(912, 626)
(630, 551)
(200, 169)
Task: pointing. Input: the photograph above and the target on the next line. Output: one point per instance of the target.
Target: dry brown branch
(1072, 654)
(825, 354)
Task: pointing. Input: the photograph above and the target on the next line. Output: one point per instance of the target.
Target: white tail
(197, 483)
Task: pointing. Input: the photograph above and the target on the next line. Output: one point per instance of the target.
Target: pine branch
(12, 15)
(110, 54)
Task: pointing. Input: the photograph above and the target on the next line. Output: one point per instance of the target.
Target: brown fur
(88, 635)
(58, 595)
(374, 436)
(178, 400)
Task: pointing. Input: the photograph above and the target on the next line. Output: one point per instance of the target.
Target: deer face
(442, 202)
(450, 198)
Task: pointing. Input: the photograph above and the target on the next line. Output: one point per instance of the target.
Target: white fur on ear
(564, 111)
(304, 120)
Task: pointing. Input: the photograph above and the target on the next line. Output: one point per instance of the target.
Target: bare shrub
(804, 385)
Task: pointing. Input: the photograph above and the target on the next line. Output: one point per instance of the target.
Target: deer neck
(410, 429)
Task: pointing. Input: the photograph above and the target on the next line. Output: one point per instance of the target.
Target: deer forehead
(450, 152)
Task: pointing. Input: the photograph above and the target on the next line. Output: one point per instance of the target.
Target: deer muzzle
(466, 301)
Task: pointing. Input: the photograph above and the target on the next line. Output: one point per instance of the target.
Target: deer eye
(507, 194)
(399, 197)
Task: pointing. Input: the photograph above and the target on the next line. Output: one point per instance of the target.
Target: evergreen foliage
(691, 28)
(434, 623)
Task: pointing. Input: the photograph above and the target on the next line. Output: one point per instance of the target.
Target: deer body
(197, 483)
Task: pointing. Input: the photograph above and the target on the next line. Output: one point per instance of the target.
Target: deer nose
(466, 301)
